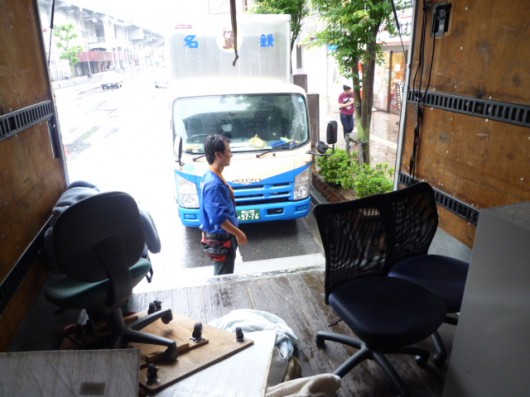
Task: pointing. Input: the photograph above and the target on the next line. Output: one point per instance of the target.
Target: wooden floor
(298, 298)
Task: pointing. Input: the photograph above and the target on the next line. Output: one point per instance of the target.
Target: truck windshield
(251, 122)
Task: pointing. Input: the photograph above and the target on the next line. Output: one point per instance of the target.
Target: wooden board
(241, 375)
(478, 59)
(480, 162)
(298, 298)
(221, 344)
(31, 179)
(178, 330)
(70, 373)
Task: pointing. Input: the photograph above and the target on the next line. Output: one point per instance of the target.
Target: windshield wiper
(283, 146)
(200, 156)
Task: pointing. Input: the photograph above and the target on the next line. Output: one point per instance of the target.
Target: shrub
(341, 169)
(374, 180)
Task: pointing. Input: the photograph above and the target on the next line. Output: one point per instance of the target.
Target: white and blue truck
(253, 103)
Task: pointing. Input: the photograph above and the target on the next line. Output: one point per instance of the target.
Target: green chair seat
(72, 294)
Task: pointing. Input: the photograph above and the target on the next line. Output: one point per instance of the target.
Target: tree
(351, 34)
(66, 35)
(296, 8)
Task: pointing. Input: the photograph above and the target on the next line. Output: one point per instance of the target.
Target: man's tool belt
(216, 246)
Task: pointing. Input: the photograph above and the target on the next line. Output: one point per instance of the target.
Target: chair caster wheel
(422, 360)
(167, 318)
(170, 354)
(320, 341)
(438, 360)
(154, 306)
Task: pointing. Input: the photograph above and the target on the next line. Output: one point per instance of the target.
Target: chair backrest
(414, 220)
(369, 235)
(99, 238)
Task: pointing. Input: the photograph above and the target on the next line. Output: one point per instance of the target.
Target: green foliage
(341, 169)
(351, 30)
(65, 35)
(296, 8)
(374, 180)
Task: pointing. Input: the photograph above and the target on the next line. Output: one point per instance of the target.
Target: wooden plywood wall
(485, 54)
(31, 173)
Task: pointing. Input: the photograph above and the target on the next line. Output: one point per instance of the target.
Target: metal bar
(450, 203)
(484, 108)
(22, 119)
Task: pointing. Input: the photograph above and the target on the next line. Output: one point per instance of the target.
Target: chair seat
(442, 275)
(72, 294)
(388, 312)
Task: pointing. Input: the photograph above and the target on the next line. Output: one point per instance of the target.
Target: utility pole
(88, 60)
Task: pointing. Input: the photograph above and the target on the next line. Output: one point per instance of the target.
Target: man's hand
(232, 229)
(241, 237)
(346, 104)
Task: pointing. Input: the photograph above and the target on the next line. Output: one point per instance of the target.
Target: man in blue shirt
(218, 215)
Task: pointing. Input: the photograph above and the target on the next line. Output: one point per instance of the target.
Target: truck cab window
(252, 122)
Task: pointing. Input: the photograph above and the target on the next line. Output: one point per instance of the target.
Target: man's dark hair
(212, 144)
(346, 87)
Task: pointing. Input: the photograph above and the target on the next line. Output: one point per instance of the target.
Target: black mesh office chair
(387, 314)
(415, 218)
(98, 244)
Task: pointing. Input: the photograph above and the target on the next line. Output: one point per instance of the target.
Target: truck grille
(263, 194)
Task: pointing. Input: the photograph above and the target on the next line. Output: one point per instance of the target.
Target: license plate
(248, 215)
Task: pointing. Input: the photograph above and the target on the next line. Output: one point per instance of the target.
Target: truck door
(32, 172)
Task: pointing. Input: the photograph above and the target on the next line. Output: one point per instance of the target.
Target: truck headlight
(187, 196)
(301, 185)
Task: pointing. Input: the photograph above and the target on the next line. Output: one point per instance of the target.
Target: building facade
(107, 42)
(323, 75)
(390, 75)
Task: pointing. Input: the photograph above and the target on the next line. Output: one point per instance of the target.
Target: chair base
(116, 334)
(365, 353)
(125, 334)
(440, 356)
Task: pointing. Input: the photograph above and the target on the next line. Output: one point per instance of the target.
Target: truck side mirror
(177, 149)
(322, 148)
(331, 132)
(331, 138)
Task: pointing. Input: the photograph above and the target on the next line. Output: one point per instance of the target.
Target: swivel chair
(98, 244)
(415, 218)
(79, 190)
(387, 314)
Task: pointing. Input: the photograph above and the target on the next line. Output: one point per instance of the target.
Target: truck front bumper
(267, 212)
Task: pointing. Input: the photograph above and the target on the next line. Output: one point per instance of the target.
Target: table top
(240, 375)
(70, 373)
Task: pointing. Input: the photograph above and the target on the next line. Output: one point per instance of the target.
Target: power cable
(420, 96)
(398, 26)
(52, 15)
(233, 18)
